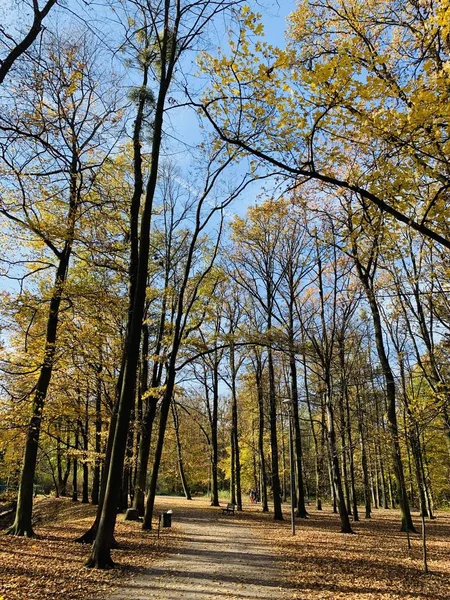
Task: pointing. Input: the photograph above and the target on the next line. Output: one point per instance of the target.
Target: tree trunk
(363, 457)
(407, 524)
(318, 455)
(416, 452)
(379, 456)
(235, 428)
(232, 470)
(345, 522)
(214, 437)
(276, 488)
(151, 406)
(62, 476)
(22, 523)
(176, 426)
(351, 459)
(85, 434)
(260, 393)
(284, 470)
(75, 467)
(98, 437)
(301, 507)
(101, 551)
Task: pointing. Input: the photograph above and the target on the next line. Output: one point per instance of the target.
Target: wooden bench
(229, 510)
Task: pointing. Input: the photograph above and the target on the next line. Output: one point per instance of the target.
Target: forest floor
(51, 565)
(249, 556)
(210, 556)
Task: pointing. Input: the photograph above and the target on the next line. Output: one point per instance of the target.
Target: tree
(366, 262)
(15, 48)
(57, 148)
(254, 256)
(356, 102)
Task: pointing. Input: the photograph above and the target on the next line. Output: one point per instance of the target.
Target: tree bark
(343, 514)
(101, 551)
(260, 393)
(276, 488)
(407, 524)
(98, 436)
(27, 41)
(75, 467)
(365, 471)
(235, 428)
(176, 426)
(22, 523)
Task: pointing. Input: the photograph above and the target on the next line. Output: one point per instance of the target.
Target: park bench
(229, 510)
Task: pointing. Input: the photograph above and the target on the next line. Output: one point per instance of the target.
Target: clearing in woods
(248, 556)
(215, 556)
(210, 556)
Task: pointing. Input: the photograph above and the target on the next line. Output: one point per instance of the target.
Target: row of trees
(138, 305)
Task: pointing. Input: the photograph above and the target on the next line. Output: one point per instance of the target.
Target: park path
(215, 557)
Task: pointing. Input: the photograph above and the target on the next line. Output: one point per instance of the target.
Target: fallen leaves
(375, 563)
(319, 562)
(51, 567)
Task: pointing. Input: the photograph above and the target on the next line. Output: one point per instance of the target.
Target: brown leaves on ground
(322, 563)
(374, 563)
(51, 566)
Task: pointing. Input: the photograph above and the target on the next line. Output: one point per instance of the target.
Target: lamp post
(291, 464)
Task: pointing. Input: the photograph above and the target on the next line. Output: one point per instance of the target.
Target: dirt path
(217, 557)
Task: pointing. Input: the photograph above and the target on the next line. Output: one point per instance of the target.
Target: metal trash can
(167, 518)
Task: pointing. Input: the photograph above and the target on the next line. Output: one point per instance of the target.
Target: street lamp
(291, 464)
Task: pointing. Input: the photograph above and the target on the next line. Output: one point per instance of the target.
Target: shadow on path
(218, 557)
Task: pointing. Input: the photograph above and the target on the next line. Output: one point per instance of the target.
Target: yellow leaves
(259, 29)
(156, 392)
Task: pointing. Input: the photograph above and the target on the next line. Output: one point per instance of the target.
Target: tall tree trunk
(351, 458)
(284, 470)
(366, 275)
(301, 507)
(426, 479)
(98, 436)
(318, 454)
(235, 428)
(63, 476)
(127, 483)
(343, 514)
(416, 452)
(85, 436)
(214, 435)
(151, 406)
(379, 456)
(343, 430)
(276, 488)
(22, 525)
(362, 441)
(232, 470)
(407, 524)
(300, 500)
(101, 550)
(176, 426)
(85, 484)
(75, 467)
(260, 394)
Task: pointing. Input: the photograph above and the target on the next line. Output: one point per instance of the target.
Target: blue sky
(184, 122)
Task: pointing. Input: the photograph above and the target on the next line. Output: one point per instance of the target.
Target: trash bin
(167, 518)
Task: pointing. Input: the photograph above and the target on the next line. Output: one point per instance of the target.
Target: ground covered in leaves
(319, 563)
(324, 564)
(50, 566)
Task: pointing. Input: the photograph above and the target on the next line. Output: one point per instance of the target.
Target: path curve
(219, 557)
